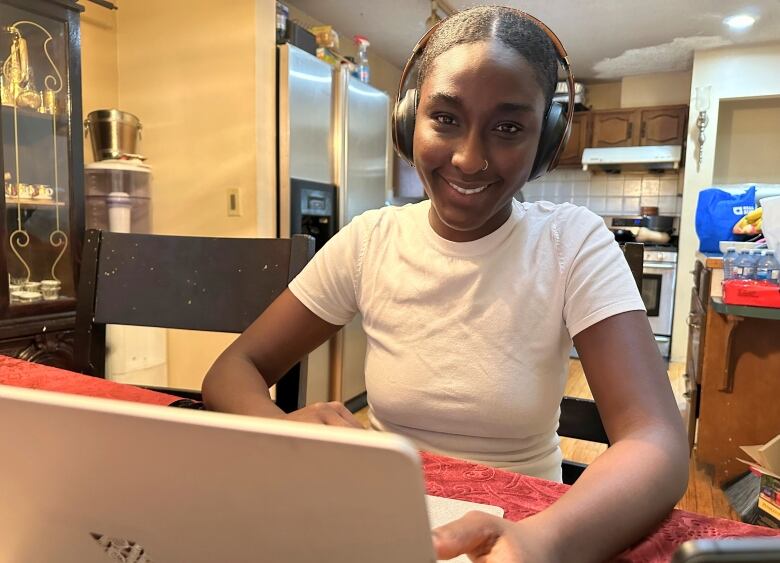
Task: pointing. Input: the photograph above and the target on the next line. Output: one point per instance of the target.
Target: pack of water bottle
(754, 264)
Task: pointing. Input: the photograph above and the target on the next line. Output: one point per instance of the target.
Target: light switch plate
(233, 202)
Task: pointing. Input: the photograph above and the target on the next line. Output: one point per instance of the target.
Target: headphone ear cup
(555, 133)
(404, 114)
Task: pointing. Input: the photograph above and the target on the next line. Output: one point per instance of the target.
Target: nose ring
(486, 166)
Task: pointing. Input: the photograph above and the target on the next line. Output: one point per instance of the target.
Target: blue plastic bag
(716, 214)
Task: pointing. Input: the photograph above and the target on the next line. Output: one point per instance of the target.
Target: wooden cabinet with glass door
(42, 220)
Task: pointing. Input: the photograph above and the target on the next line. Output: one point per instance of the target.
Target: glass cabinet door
(36, 128)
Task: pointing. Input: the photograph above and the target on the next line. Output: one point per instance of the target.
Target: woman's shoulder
(390, 217)
(562, 217)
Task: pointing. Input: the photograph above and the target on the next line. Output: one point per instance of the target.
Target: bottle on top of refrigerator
(728, 263)
(768, 268)
(363, 73)
(745, 266)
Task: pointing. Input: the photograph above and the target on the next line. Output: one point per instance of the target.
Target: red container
(751, 293)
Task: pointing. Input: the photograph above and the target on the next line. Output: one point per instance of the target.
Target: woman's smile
(468, 188)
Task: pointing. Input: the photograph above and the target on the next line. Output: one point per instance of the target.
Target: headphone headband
(563, 58)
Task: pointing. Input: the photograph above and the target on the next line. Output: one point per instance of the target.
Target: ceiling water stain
(677, 55)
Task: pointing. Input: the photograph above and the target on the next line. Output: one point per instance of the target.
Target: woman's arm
(239, 380)
(629, 489)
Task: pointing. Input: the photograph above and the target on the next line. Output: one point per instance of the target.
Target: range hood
(632, 158)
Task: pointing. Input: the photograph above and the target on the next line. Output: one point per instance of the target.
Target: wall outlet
(233, 202)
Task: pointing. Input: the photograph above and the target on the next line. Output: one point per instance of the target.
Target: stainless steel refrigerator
(333, 162)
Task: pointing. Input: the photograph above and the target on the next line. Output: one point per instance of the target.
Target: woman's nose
(469, 157)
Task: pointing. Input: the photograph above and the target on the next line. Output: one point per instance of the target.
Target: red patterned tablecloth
(19, 373)
(519, 495)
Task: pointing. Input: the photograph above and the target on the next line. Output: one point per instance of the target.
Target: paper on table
(444, 510)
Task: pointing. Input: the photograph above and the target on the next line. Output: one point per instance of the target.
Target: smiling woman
(471, 300)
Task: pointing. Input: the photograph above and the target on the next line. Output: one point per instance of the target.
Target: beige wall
(99, 70)
(659, 89)
(191, 74)
(604, 95)
(748, 142)
(734, 73)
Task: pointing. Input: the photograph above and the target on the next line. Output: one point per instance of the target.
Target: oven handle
(659, 265)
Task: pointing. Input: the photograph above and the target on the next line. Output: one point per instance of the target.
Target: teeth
(465, 191)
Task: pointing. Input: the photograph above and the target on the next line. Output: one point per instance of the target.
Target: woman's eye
(508, 128)
(443, 119)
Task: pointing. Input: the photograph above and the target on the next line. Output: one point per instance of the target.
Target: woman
(470, 302)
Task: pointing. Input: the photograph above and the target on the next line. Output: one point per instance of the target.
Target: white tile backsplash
(649, 201)
(608, 194)
(631, 205)
(668, 186)
(650, 186)
(632, 187)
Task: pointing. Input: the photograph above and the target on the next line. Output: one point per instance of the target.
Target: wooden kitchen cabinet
(663, 125)
(578, 140)
(615, 128)
(740, 385)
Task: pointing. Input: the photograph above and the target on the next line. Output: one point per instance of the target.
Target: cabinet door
(578, 140)
(663, 126)
(615, 128)
(41, 208)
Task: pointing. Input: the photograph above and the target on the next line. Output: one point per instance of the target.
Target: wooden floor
(701, 497)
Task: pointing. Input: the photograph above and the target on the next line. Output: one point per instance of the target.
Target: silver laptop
(95, 480)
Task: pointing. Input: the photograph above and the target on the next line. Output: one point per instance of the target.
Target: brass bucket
(113, 133)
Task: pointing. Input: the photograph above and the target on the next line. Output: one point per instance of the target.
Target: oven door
(658, 295)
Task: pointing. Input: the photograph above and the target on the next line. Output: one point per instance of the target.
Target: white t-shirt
(468, 343)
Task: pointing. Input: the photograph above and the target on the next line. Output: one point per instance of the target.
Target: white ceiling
(606, 39)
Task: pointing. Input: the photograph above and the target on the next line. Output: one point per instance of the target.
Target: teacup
(25, 191)
(42, 191)
(32, 286)
(51, 289)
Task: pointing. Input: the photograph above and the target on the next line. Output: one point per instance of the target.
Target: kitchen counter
(770, 313)
(739, 385)
(712, 260)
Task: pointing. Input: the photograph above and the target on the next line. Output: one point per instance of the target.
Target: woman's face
(479, 102)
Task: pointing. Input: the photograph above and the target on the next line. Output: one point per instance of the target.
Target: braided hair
(482, 23)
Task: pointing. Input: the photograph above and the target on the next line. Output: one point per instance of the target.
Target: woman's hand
(330, 414)
(488, 539)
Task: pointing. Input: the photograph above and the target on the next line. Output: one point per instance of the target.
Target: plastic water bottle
(363, 73)
(728, 263)
(768, 268)
(745, 266)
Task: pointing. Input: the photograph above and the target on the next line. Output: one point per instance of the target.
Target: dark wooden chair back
(195, 283)
(580, 418)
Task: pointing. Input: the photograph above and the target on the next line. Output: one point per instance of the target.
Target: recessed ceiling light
(739, 21)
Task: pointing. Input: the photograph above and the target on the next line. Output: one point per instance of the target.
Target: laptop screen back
(85, 478)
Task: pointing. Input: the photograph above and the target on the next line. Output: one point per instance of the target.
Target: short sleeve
(327, 285)
(599, 283)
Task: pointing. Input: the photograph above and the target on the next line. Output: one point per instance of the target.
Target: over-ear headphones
(555, 127)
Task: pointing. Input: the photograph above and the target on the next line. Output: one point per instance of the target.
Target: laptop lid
(89, 480)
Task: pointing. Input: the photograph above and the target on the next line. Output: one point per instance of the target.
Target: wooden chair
(580, 418)
(195, 283)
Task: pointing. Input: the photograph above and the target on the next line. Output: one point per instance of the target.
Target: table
(739, 385)
(519, 495)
